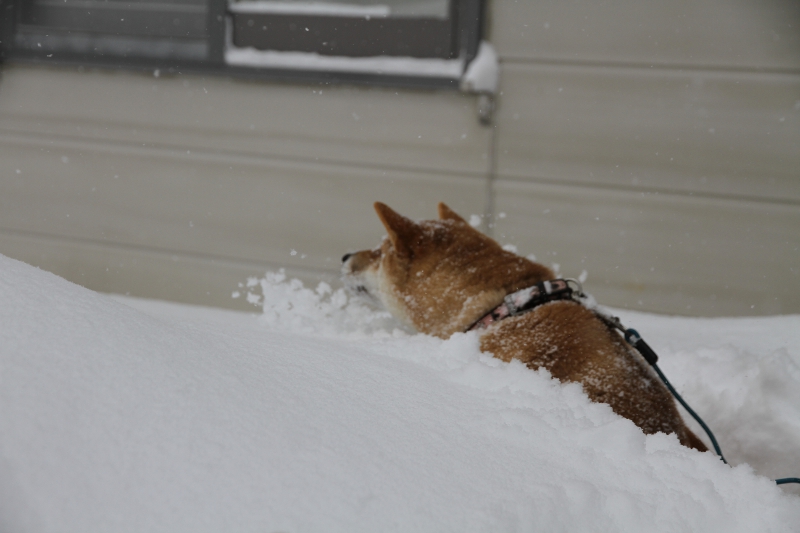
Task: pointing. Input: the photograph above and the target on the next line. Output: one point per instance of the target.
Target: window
(164, 29)
(396, 42)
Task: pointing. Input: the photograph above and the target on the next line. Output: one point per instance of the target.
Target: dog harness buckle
(530, 297)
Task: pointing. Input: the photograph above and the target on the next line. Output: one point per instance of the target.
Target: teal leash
(636, 340)
(527, 299)
(648, 354)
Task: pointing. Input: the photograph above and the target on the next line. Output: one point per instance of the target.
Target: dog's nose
(345, 257)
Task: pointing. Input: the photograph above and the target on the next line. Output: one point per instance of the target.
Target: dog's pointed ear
(401, 230)
(445, 213)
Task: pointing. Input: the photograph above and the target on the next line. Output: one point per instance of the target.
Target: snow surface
(320, 414)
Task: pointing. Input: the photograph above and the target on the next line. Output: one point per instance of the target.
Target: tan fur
(440, 276)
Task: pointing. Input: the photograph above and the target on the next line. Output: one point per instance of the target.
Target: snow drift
(321, 415)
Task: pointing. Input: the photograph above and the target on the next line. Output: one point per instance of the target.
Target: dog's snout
(345, 257)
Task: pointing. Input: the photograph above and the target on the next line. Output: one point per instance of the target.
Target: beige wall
(655, 147)
(181, 187)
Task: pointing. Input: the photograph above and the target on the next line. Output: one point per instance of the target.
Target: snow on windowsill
(483, 72)
(309, 61)
(310, 8)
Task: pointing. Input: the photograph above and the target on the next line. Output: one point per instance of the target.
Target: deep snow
(322, 415)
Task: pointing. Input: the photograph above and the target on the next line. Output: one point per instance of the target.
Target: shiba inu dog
(443, 276)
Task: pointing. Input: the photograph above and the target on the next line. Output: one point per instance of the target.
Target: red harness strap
(525, 300)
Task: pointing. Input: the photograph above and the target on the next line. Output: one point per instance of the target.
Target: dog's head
(438, 276)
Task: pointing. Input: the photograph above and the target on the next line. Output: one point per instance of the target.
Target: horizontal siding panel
(719, 33)
(715, 133)
(142, 273)
(234, 209)
(660, 252)
(419, 130)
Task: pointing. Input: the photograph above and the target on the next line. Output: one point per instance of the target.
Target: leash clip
(578, 292)
(636, 340)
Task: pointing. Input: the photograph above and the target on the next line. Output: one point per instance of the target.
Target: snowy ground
(321, 415)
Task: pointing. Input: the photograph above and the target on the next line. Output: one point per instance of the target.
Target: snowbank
(321, 416)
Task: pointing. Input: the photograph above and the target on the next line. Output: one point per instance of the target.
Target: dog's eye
(345, 257)
(361, 288)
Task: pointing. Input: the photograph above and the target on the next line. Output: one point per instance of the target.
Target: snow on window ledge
(310, 8)
(481, 74)
(403, 66)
